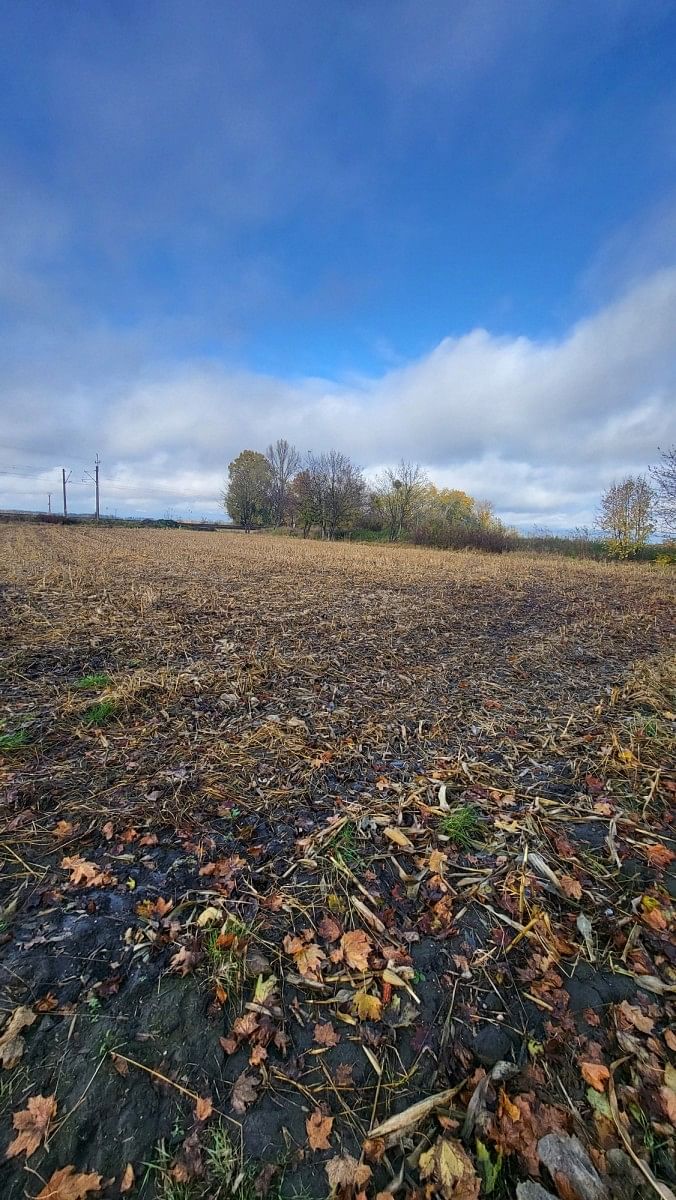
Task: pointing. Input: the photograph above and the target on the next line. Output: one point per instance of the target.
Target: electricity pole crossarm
(95, 480)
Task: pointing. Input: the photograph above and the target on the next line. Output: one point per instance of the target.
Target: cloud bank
(538, 427)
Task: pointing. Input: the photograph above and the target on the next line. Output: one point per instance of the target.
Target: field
(296, 835)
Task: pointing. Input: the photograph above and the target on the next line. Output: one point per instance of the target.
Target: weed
(98, 714)
(460, 826)
(92, 681)
(344, 845)
(224, 951)
(13, 741)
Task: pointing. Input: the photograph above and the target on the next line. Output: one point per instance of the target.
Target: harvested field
(296, 835)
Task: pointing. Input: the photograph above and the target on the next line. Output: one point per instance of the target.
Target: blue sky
(444, 230)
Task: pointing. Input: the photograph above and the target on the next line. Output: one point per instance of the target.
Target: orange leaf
(571, 886)
(32, 1125)
(307, 955)
(128, 1179)
(204, 1107)
(668, 1098)
(87, 873)
(658, 855)
(356, 947)
(319, 1130)
(595, 1074)
(65, 1184)
(367, 1008)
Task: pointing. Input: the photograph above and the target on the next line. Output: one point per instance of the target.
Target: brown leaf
(670, 1038)
(319, 1130)
(65, 1184)
(595, 1074)
(658, 855)
(343, 1171)
(329, 929)
(374, 1148)
(63, 829)
(244, 1091)
(258, 1055)
(128, 1179)
(451, 1169)
(326, 1035)
(668, 1098)
(308, 956)
(184, 961)
(246, 1025)
(356, 947)
(12, 1045)
(86, 873)
(32, 1125)
(396, 835)
(571, 887)
(367, 1008)
(204, 1106)
(230, 1045)
(264, 1178)
(636, 1017)
(108, 830)
(344, 1075)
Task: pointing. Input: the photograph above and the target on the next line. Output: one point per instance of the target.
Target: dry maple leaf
(451, 1169)
(329, 929)
(12, 1044)
(319, 1130)
(658, 855)
(184, 961)
(308, 956)
(344, 1171)
(204, 1106)
(596, 1074)
(32, 1125)
(245, 1026)
(356, 947)
(65, 1184)
(87, 873)
(326, 1035)
(258, 1055)
(244, 1091)
(63, 829)
(367, 1008)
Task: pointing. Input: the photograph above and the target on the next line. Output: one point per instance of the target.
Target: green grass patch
(99, 714)
(13, 741)
(92, 681)
(344, 844)
(461, 825)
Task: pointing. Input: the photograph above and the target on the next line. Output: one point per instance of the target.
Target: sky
(444, 231)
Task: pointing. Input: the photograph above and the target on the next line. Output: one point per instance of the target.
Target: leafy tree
(626, 514)
(283, 461)
(664, 477)
(247, 496)
(397, 493)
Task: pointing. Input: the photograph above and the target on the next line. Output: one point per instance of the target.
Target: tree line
(328, 493)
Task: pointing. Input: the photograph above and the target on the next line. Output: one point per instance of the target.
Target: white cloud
(538, 427)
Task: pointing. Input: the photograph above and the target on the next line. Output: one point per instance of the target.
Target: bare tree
(664, 477)
(335, 490)
(626, 514)
(397, 493)
(284, 463)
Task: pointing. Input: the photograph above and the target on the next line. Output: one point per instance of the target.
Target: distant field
(373, 789)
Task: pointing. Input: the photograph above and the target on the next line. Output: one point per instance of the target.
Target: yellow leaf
(367, 1008)
(208, 916)
(264, 989)
(398, 837)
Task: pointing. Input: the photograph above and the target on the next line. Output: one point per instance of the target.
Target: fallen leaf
(451, 1169)
(31, 1124)
(437, 861)
(668, 1098)
(12, 1045)
(356, 947)
(246, 1025)
(128, 1179)
(87, 873)
(63, 829)
(396, 835)
(658, 855)
(670, 1038)
(329, 929)
(65, 1184)
(367, 1008)
(244, 1091)
(636, 1017)
(344, 1171)
(596, 1074)
(571, 887)
(319, 1130)
(204, 1106)
(264, 989)
(184, 961)
(108, 830)
(326, 1035)
(258, 1055)
(308, 956)
(208, 916)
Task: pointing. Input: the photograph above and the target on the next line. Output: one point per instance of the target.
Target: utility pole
(64, 481)
(95, 480)
(49, 502)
